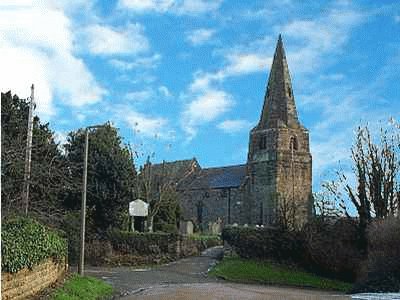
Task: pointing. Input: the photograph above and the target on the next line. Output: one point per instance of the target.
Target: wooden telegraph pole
(28, 154)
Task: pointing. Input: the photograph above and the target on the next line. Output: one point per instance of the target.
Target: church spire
(279, 106)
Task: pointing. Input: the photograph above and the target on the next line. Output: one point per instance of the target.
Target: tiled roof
(214, 178)
(176, 171)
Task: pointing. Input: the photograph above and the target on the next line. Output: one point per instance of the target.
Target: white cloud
(238, 64)
(179, 7)
(36, 46)
(318, 37)
(60, 137)
(245, 63)
(205, 108)
(149, 62)
(105, 40)
(233, 126)
(164, 91)
(142, 124)
(197, 6)
(200, 36)
(139, 95)
(146, 5)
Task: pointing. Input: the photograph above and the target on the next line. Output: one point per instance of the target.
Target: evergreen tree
(111, 176)
(48, 168)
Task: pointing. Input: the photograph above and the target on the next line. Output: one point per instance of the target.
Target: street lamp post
(81, 265)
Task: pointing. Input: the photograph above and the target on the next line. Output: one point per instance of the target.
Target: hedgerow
(26, 242)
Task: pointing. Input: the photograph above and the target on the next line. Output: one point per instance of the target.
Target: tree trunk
(150, 223)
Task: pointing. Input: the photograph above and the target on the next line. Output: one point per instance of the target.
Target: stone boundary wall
(26, 283)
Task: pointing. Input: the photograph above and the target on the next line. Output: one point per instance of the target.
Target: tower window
(293, 143)
(290, 92)
(267, 93)
(263, 142)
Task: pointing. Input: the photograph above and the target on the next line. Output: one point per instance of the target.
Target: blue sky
(186, 78)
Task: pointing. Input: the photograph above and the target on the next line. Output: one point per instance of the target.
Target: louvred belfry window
(293, 143)
(263, 142)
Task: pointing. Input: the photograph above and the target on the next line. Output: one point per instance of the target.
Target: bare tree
(156, 188)
(376, 168)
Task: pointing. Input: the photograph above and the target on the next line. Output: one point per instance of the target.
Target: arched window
(293, 143)
(290, 92)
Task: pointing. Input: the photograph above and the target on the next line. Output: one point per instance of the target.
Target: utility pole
(81, 265)
(83, 208)
(28, 154)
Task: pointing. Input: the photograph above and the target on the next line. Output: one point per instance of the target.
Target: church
(275, 181)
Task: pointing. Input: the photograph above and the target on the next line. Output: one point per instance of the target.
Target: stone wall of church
(211, 205)
(277, 174)
(294, 171)
(261, 192)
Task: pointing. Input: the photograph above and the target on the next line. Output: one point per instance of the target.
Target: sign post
(138, 208)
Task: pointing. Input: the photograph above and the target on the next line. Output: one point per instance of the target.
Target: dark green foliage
(381, 271)
(26, 242)
(166, 219)
(48, 168)
(71, 227)
(111, 176)
(264, 243)
(329, 248)
(333, 247)
(141, 243)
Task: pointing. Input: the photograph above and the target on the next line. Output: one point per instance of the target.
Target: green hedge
(26, 242)
(264, 243)
(141, 243)
(326, 248)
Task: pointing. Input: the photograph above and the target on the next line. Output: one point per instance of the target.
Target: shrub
(264, 243)
(331, 248)
(381, 270)
(71, 227)
(26, 242)
(125, 242)
(98, 252)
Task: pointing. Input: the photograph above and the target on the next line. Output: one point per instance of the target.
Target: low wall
(138, 249)
(26, 283)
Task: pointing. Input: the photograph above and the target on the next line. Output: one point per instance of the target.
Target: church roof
(214, 178)
(279, 105)
(176, 171)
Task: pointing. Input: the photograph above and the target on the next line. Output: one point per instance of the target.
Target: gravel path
(187, 279)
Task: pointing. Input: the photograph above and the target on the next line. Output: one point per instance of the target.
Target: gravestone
(186, 227)
(216, 227)
(138, 210)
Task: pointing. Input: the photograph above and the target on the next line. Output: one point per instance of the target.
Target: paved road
(187, 279)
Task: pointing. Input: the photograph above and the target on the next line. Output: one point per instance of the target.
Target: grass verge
(251, 271)
(84, 288)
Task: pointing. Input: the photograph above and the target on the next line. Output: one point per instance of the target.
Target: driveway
(187, 279)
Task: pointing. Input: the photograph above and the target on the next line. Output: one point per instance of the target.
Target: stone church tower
(275, 181)
(279, 159)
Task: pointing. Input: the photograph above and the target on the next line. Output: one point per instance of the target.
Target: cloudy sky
(186, 78)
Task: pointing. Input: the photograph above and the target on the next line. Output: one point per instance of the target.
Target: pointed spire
(279, 106)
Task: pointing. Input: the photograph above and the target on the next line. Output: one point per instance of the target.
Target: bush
(332, 248)
(381, 271)
(26, 242)
(125, 242)
(71, 226)
(264, 243)
(329, 248)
